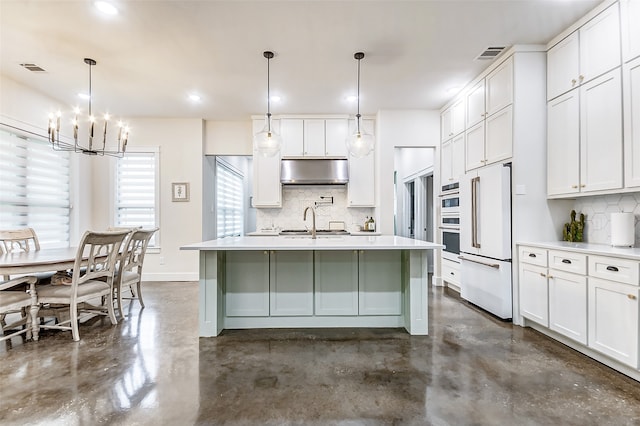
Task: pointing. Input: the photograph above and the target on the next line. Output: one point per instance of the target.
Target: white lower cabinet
(534, 293)
(380, 283)
(568, 305)
(336, 282)
(589, 298)
(613, 320)
(247, 283)
(291, 279)
(451, 272)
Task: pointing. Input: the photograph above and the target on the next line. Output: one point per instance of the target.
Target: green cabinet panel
(336, 281)
(247, 283)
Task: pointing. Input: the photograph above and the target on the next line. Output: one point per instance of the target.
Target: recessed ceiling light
(83, 96)
(194, 97)
(275, 98)
(106, 8)
(352, 98)
(453, 90)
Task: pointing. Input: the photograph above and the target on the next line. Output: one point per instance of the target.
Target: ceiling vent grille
(32, 67)
(490, 52)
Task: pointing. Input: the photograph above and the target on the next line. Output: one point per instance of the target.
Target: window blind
(34, 188)
(136, 191)
(229, 196)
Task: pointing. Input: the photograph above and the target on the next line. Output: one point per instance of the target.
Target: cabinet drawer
(568, 261)
(614, 269)
(533, 256)
(451, 272)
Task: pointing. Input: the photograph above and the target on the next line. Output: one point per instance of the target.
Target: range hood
(314, 171)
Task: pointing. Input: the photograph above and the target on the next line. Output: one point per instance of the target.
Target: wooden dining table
(43, 260)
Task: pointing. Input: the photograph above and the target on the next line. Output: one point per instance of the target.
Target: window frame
(233, 170)
(155, 150)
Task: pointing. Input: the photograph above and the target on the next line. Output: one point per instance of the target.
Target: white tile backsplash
(598, 211)
(296, 198)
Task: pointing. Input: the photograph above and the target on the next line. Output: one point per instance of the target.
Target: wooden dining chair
(15, 300)
(14, 240)
(129, 269)
(92, 279)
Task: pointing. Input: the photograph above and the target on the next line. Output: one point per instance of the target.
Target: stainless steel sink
(319, 232)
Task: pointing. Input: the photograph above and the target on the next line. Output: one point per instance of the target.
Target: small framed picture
(180, 191)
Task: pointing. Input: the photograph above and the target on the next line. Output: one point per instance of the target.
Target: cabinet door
(534, 293)
(474, 147)
(457, 157)
(380, 282)
(267, 191)
(247, 283)
(600, 44)
(291, 278)
(361, 187)
(601, 133)
(475, 104)
(446, 172)
(498, 139)
(563, 144)
(613, 320)
(458, 117)
(292, 132)
(631, 92)
(336, 282)
(446, 123)
(499, 87)
(335, 137)
(568, 305)
(563, 66)
(314, 138)
(630, 16)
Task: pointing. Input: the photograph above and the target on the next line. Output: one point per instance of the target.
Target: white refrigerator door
(487, 284)
(485, 212)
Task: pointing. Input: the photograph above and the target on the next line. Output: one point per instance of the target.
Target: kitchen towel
(622, 229)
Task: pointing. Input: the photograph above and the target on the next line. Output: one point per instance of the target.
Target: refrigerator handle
(490, 265)
(475, 182)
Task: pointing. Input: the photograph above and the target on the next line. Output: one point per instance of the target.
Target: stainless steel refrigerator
(485, 239)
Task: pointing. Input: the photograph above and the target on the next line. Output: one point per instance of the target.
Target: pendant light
(360, 143)
(267, 142)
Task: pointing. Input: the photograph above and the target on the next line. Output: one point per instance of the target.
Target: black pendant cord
(358, 56)
(91, 63)
(268, 55)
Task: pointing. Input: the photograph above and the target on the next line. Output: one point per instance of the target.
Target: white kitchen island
(300, 282)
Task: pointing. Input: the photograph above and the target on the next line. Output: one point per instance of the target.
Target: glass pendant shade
(360, 143)
(267, 141)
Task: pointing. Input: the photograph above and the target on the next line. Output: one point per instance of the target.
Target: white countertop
(276, 233)
(328, 242)
(587, 248)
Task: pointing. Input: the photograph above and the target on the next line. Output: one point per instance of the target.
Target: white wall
(395, 129)
(180, 143)
(228, 137)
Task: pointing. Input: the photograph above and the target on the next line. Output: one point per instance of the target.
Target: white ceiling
(154, 53)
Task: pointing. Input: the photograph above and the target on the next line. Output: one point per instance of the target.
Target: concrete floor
(153, 369)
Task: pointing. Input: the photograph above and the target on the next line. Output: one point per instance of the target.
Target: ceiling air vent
(491, 52)
(32, 67)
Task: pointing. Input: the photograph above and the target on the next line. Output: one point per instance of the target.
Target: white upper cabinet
(631, 84)
(586, 54)
(499, 136)
(292, 132)
(563, 144)
(499, 87)
(474, 147)
(601, 133)
(314, 137)
(600, 44)
(629, 18)
(452, 160)
(336, 131)
(267, 189)
(452, 120)
(563, 66)
(475, 104)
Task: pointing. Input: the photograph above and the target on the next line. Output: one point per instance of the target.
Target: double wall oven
(450, 221)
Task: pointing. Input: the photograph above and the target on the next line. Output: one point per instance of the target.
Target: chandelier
(101, 139)
(267, 141)
(360, 143)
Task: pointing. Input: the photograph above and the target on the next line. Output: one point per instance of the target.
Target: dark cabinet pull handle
(567, 261)
(612, 269)
(532, 255)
